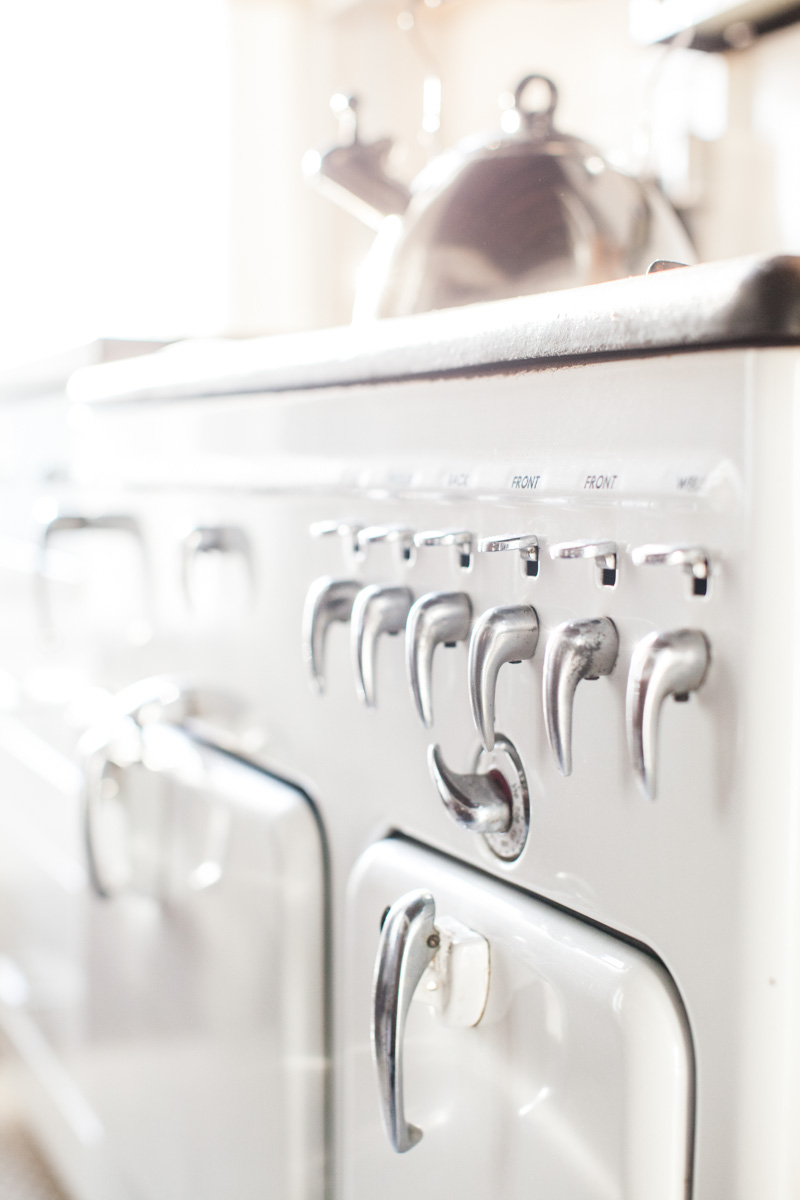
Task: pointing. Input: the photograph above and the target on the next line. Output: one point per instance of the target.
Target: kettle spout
(354, 175)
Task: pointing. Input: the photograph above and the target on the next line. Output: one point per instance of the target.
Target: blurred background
(152, 152)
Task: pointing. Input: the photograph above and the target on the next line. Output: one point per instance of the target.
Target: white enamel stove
(507, 597)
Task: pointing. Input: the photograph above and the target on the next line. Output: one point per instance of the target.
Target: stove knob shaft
(526, 546)
(507, 634)
(604, 554)
(663, 664)
(461, 539)
(328, 600)
(695, 561)
(575, 650)
(400, 535)
(434, 618)
(376, 610)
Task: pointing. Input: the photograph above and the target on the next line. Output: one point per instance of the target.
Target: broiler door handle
(409, 940)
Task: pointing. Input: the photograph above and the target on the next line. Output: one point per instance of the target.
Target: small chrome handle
(400, 535)
(328, 600)
(376, 610)
(69, 522)
(409, 941)
(108, 749)
(500, 635)
(434, 618)
(662, 664)
(525, 544)
(478, 802)
(215, 539)
(575, 650)
(461, 539)
(604, 554)
(694, 560)
(347, 530)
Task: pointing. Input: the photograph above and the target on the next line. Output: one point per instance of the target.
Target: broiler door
(517, 1050)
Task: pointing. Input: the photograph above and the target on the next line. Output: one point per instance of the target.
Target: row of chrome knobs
(663, 664)
(694, 560)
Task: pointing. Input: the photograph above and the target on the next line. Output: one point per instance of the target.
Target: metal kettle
(531, 211)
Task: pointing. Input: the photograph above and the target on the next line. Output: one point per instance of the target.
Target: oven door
(539, 1055)
(187, 1058)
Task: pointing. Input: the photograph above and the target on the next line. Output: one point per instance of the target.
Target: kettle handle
(538, 121)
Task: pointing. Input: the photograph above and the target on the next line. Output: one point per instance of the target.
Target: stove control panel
(668, 662)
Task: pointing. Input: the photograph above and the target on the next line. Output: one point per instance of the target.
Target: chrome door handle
(604, 554)
(209, 539)
(434, 618)
(328, 600)
(500, 635)
(376, 610)
(108, 749)
(663, 664)
(478, 801)
(695, 561)
(575, 650)
(409, 940)
(69, 522)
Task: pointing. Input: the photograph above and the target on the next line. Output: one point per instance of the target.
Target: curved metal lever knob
(434, 618)
(479, 802)
(347, 530)
(575, 650)
(409, 941)
(328, 600)
(211, 539)
(500, 635)
(663, 664)
(376, 610)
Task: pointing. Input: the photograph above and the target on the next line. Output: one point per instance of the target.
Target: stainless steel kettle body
(512, 215)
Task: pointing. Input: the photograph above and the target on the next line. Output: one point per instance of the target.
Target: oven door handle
(409, 940)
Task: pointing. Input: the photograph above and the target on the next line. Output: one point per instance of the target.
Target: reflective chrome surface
(435, 618)
(327, 600)
(461, 539)
(215, 539)
(501, 635)
(376, 610)
(508, 215)
(663, 664)
(478, 801)
(409, 941)
(695, 561)
(400, 535)
(575, 650)
(604, 554)
(526, 545)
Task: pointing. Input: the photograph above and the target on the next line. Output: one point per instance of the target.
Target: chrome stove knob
(376, 610)
(604, 554)
(328, 600)
(575, 650)
(663, 664)
(435, 618)
(501, 635)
